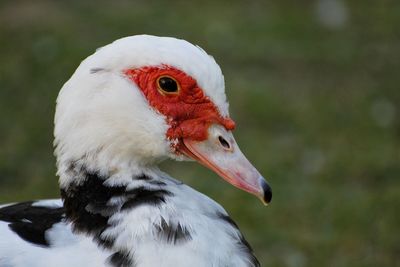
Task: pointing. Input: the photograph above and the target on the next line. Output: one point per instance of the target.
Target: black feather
(142, 195)
(242, 242)
(31, 222)
(119, 259)
(173, 234)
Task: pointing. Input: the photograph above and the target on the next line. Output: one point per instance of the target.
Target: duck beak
(221, 154)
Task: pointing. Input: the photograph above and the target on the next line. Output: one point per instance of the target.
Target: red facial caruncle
(188, 110)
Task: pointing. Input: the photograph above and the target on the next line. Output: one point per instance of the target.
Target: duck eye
(167, 85)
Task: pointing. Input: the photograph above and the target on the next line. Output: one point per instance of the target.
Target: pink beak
(221, 154)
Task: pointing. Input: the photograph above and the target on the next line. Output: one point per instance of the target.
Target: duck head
(142, 99)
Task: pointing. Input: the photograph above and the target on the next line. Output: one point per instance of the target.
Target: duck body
(130, 105)
(142, 223)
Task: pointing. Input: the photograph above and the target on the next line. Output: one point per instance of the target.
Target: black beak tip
(267, 192)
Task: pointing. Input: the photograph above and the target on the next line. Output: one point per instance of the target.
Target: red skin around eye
(189, 112)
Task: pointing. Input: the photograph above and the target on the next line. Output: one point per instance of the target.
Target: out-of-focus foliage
(313, 86)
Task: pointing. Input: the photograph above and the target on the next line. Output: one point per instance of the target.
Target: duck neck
(93, 197)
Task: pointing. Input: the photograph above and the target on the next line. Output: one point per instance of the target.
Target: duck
(129, 106)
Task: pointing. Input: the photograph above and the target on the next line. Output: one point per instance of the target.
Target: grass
(317, 109)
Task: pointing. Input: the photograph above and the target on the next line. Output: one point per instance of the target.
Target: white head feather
(103, 119)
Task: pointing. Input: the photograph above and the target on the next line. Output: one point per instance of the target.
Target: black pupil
(168, 85)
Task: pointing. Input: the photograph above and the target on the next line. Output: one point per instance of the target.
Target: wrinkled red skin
(189, 112)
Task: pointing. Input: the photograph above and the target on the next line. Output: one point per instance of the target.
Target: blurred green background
(313, 87)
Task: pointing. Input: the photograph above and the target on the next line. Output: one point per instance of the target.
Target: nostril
(223, 142)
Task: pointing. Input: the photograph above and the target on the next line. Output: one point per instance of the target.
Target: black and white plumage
(117, 207)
